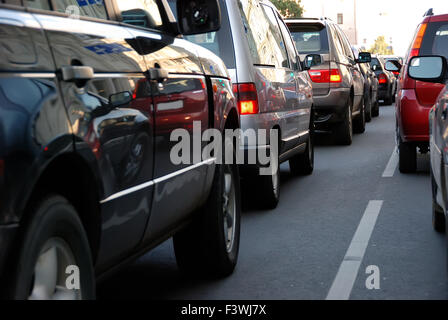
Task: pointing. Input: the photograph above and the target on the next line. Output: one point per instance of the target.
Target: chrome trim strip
(296, 136)
(156, 181)
(118, 75)
(6, 74)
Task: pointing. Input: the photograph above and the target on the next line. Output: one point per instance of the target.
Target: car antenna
(430, 12)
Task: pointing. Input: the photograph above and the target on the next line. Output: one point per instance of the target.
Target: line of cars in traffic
(422, 108)
(87, 112)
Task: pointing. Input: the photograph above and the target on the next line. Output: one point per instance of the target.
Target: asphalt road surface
(355, 211)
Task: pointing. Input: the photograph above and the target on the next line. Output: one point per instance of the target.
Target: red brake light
(396, 73)
(417, 43)
(247, 98)
(325, 76)
(382, 79)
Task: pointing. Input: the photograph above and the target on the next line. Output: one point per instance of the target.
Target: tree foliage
(381, 47)
(289, 8)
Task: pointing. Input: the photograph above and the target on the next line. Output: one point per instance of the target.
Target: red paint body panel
(413, 118)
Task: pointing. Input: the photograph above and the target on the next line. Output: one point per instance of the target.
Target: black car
(88, 107)
(386, 79)
(338, 84)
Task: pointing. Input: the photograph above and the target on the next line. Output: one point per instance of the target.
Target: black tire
(388, 99)
(369, 109)
(270, 185)
(376, 110)
(303, 164)
(54, 221)
(407, 157)
(438, 216)
(359, 124)
(202, 248)
(344, 131)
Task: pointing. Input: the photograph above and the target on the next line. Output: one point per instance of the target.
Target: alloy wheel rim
(49, 278)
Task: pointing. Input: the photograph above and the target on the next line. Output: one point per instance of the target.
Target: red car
(415, 98)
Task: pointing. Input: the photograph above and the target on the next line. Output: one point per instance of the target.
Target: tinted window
(435, 41)
(144, 13)
(262, 36)
(337, 42)
(86, 8)
(220, 42)
(346, 44)
(290, 47)
(376, 62)
(278, 39)
(310, 38)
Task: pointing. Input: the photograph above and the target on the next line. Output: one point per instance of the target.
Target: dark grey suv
(87, 110)
(338, 84)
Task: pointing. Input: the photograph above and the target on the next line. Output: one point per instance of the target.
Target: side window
(143, 13)
(37, 4)
(290, 47)
(85, 8)
(277, 40)
(346, 44)
(337, 42)
(263, 39)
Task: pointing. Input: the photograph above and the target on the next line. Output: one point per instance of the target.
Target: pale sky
(396, 19)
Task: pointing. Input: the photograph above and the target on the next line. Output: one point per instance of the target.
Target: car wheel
(270, 184)
(344, 131)
(54, 243)
(438, 216)
(210, 244)
(303, 164)
(407, 157)
(360, 123)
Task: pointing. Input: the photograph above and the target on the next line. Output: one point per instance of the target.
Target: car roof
(436, 18)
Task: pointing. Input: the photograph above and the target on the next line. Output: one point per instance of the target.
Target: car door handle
(158, 74)
(76, 73)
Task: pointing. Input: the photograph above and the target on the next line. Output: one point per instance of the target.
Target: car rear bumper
(413, 117)
(330, 108)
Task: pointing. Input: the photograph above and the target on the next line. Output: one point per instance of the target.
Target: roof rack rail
(430, 12)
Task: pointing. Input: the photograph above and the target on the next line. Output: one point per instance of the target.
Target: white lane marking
(391, 165)
(348, 271)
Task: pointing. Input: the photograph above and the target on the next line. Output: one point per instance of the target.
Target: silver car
(273, 89)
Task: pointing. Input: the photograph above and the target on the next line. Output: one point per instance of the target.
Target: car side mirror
(198, 16)
(428, 69)
(312, 60)
(120, 99)
(393, 66)
(364, 57)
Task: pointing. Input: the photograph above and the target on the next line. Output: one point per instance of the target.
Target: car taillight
(246, 94)
(382, 79)
(325, 76)
(417, 43)
(396, 73)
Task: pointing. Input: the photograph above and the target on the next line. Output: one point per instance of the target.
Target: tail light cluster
(417, 43)
(382, 78)
(325, 76)
(246, 94)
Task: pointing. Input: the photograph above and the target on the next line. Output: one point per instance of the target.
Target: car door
(439, 144)
(33, 121)
(303, 88)
(180, 106)
(119, 137)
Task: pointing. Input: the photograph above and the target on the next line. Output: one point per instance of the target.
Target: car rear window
(309, 38)
(376, 62)
(435, 41)
(220, 42)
